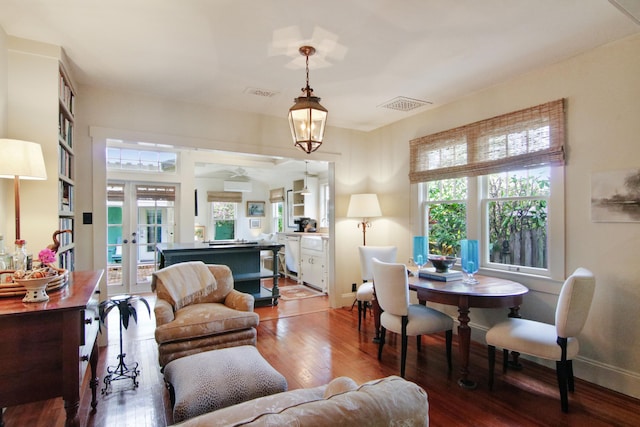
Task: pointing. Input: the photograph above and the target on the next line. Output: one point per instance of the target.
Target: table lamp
(364, 206)
(21, 160)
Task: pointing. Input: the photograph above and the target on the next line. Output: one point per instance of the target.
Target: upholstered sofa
(383, 402)
(198, 310)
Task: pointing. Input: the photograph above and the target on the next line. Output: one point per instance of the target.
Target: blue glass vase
(420, 250)
(470, 259)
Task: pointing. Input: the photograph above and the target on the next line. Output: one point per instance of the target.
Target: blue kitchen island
(243, 258)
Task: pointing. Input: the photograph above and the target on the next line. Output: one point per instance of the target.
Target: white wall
(105, 113)
(6, 187)
(32, 115)
(602, 88)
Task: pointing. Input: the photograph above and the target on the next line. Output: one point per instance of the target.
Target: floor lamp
(21, 160)
(364, 206)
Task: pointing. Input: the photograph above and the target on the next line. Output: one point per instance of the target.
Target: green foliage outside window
(518, 218)
(447, 220)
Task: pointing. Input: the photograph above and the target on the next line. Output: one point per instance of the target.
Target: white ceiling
(221, 52)
(215, 52)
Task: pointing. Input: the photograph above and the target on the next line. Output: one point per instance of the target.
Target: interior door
(139, 216)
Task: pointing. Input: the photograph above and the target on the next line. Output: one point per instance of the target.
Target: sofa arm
(239, 300)
(163, 312)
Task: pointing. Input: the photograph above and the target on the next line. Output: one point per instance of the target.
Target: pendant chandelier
(307, 117)
(305, 191)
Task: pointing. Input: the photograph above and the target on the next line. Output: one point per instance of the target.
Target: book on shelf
(431, 274)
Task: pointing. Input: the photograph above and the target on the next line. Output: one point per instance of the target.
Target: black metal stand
(121, 371)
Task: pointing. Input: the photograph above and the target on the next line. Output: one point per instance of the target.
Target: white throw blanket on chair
(182, 283)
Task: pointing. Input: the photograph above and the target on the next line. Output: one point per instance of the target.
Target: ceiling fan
(239, 173)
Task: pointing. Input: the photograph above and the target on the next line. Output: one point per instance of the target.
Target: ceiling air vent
(402, 103)
(260, 92)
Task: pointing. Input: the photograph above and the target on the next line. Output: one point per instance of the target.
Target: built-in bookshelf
(66, 170)
(298, 198)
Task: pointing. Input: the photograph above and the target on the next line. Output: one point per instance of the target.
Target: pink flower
(46, 256)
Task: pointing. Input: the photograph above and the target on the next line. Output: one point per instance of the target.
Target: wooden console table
(242, 258)
(46, 346)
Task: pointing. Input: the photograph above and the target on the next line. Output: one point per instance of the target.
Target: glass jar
(3, 255)
(20, 256)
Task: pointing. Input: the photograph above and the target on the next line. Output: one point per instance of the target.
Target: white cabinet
(313, 262)
(305, 206)
(306, 257)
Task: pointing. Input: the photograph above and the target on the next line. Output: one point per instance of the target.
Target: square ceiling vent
(402, 103)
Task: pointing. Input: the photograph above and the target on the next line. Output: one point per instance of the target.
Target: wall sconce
(21, 160)
(364, 206)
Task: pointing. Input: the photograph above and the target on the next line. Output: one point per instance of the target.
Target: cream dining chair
(399, 316)
(364, 294)
(557, 342)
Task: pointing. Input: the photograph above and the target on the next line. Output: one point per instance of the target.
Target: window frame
(478, 225)
(432, 159)
(555, 230)
(213, 219)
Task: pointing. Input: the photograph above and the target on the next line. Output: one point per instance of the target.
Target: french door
(139, 216)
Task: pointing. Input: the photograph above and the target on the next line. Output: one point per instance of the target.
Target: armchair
(198, 310)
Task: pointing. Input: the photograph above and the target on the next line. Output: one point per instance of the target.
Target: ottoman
(215, 379)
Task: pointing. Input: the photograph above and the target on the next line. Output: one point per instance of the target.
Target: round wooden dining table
(489, 292)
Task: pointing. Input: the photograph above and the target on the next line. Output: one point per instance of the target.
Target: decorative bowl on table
(442, 263)
(36, 288)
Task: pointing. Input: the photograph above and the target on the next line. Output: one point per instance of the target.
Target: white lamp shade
(364, 206)
(22, 159)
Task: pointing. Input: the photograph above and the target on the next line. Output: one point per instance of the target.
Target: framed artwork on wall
(615, 196)
(254, 223)
(255, 208)
(199, 233)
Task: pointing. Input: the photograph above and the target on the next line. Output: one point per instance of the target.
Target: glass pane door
(115, 225)
(155, 205)
(138, 217)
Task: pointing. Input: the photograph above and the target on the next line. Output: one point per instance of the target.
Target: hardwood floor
(311, 344)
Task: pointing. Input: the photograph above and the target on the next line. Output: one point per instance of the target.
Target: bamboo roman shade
(276, 195)
(522, 139)
(224, 196)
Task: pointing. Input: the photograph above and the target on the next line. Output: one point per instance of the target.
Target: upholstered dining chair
(399, 316)
(364, 294)
(557, 342)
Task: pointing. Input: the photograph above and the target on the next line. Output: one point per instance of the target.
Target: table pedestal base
(467, 384)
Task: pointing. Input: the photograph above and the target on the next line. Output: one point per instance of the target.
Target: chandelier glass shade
(307, 117)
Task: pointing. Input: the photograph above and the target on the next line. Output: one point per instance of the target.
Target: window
(499, 181)
(224, 220)
(276, 197)
(446, 215)
(277, 215)
(126, 159)
(516, 212)
(224, 213)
